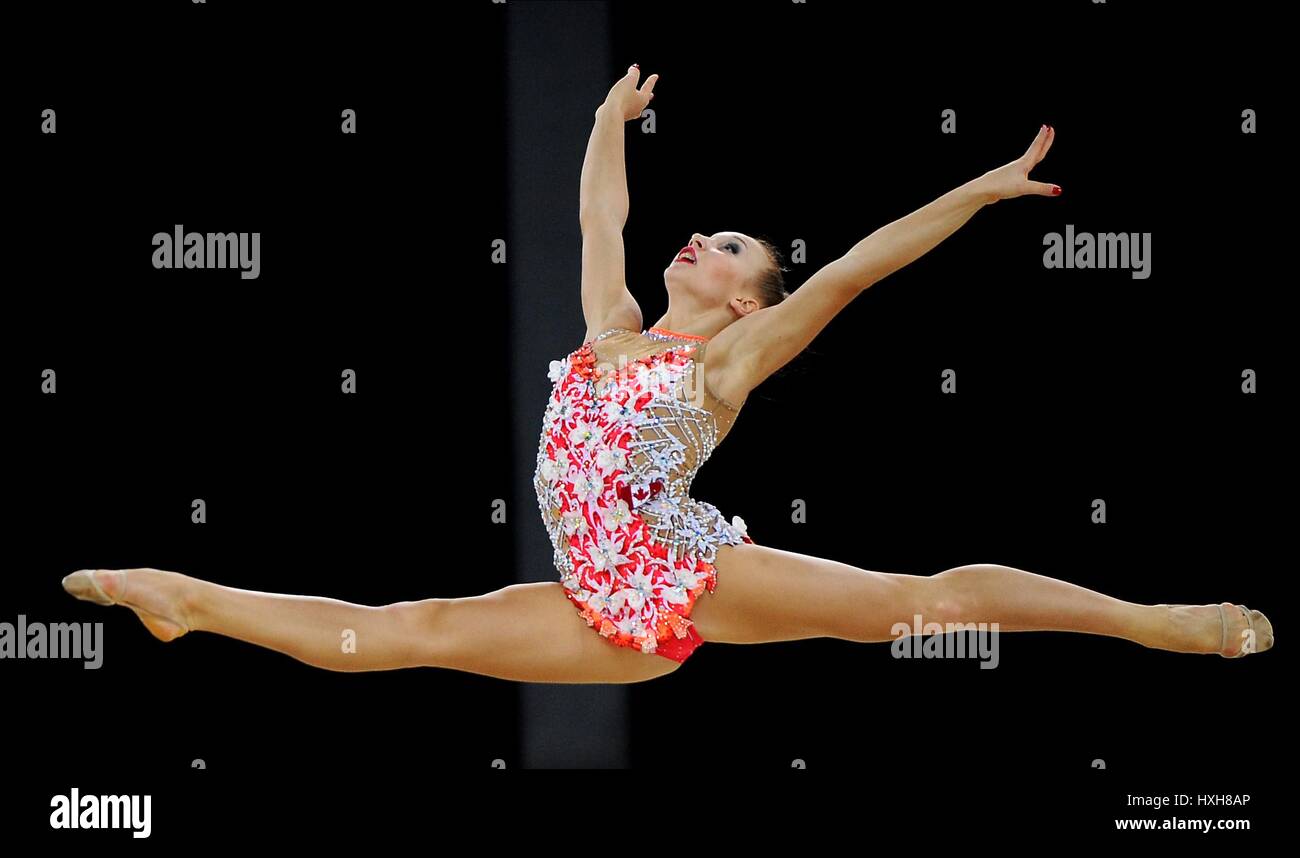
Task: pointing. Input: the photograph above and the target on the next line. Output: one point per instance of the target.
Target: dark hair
(772, 291)
(771, 283)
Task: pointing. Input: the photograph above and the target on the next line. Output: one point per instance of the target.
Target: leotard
(629, 422)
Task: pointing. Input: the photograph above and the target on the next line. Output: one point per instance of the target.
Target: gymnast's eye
(733, 244)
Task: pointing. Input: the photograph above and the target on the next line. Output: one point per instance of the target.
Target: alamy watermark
(103, 811)
(53, 640)
(180, 249)
(1100, 250)
(943, 643)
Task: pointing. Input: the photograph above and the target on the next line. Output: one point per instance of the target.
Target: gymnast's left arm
(896, 244)
(770, 337)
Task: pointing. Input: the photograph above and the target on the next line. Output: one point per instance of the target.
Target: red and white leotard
(629, 422)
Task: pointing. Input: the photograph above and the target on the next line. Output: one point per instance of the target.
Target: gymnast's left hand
(1012, 180)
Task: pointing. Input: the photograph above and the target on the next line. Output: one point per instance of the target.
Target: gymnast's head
(727, 276)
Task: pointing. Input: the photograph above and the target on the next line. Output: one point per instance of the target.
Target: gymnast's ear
(743, 305)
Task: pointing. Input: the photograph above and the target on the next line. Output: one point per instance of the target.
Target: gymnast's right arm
(602, 210)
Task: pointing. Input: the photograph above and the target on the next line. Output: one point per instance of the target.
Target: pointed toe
(1253, 623)
(83, 585)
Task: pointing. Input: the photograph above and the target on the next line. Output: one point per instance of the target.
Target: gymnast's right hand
(625, 99)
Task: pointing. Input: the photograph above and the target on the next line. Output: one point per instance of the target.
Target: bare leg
(323, 632)
(766, 594)
(527, 632)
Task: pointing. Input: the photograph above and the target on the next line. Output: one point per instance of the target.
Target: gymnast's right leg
(525, 632)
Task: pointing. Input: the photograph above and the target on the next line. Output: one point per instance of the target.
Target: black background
(816, 121)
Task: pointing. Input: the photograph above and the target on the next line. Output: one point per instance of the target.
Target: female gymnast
(632, 415)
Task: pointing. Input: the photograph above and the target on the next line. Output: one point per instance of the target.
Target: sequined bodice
(687, 406)
(662, 420)
(629, 422)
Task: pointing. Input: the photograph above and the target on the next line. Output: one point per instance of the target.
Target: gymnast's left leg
(766, 594)
(524, 632)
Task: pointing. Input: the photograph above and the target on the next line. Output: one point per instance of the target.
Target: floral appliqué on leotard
(614, 468)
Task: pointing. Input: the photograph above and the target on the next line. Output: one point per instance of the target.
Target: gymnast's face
(719, 269)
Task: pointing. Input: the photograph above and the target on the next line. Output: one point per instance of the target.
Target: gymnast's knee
(955, 591)
(422, 627)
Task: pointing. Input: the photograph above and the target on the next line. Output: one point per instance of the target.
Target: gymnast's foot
(159, 598)
(1222, 629)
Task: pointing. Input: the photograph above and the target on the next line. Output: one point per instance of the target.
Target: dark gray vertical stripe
(559, 69)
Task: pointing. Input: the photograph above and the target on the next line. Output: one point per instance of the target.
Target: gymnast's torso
(630, 421)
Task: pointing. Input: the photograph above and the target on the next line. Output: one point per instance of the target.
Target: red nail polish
(1056, 190)
(636, 65)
